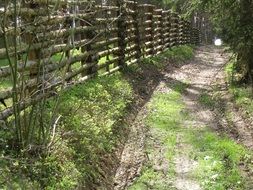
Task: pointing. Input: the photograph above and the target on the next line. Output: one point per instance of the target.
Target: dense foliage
(232, 21)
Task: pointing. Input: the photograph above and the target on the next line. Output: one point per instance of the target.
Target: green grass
(242, 93)
(218, 160)
(104, 59)
(88, 130)
(150, 179)
(93, 128)
(4, 62)
(166, 115)
(60, 56)
(177, 54)
(243, 97)
(218, 157)
(229, 71)
(4, 82)
(180, 53)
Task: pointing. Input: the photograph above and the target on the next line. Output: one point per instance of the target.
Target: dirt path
(173, 166)
(199, 75)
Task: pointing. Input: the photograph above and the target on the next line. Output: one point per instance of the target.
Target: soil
(205, 73)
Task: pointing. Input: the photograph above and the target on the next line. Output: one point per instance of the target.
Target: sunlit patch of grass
(150, 179)
(58, 57)
(219, 159)
(166, 111)
(166, 115)
(171, 143)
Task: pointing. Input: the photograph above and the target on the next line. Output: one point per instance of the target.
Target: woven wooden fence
(49, 45)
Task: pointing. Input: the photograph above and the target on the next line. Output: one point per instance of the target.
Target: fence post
(174, 29)
(67, 40)
(195, 39)
(30, 38)
(192, 35)
(180, 31)
(156, 31)
(188, 32)
(33, 55)
(152, 28)
(121, 13)
(137, 31)
(177, 29)
(89, 35)
(160, 37)
(184, 32)
(166, 28)
(200, 37)
(169, 26)
(163, 25)
(142, 28)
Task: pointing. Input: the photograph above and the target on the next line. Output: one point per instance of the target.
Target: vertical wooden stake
(121, 13)
(89, 36)
(152, 31)
(137, 31)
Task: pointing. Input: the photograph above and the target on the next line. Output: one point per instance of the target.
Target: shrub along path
(182, 139)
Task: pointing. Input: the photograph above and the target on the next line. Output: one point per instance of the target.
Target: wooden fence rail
(69, 43)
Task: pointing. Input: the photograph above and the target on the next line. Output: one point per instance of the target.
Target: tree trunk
(245, 53)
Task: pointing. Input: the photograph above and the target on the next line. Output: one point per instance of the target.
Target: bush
(87, 131)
